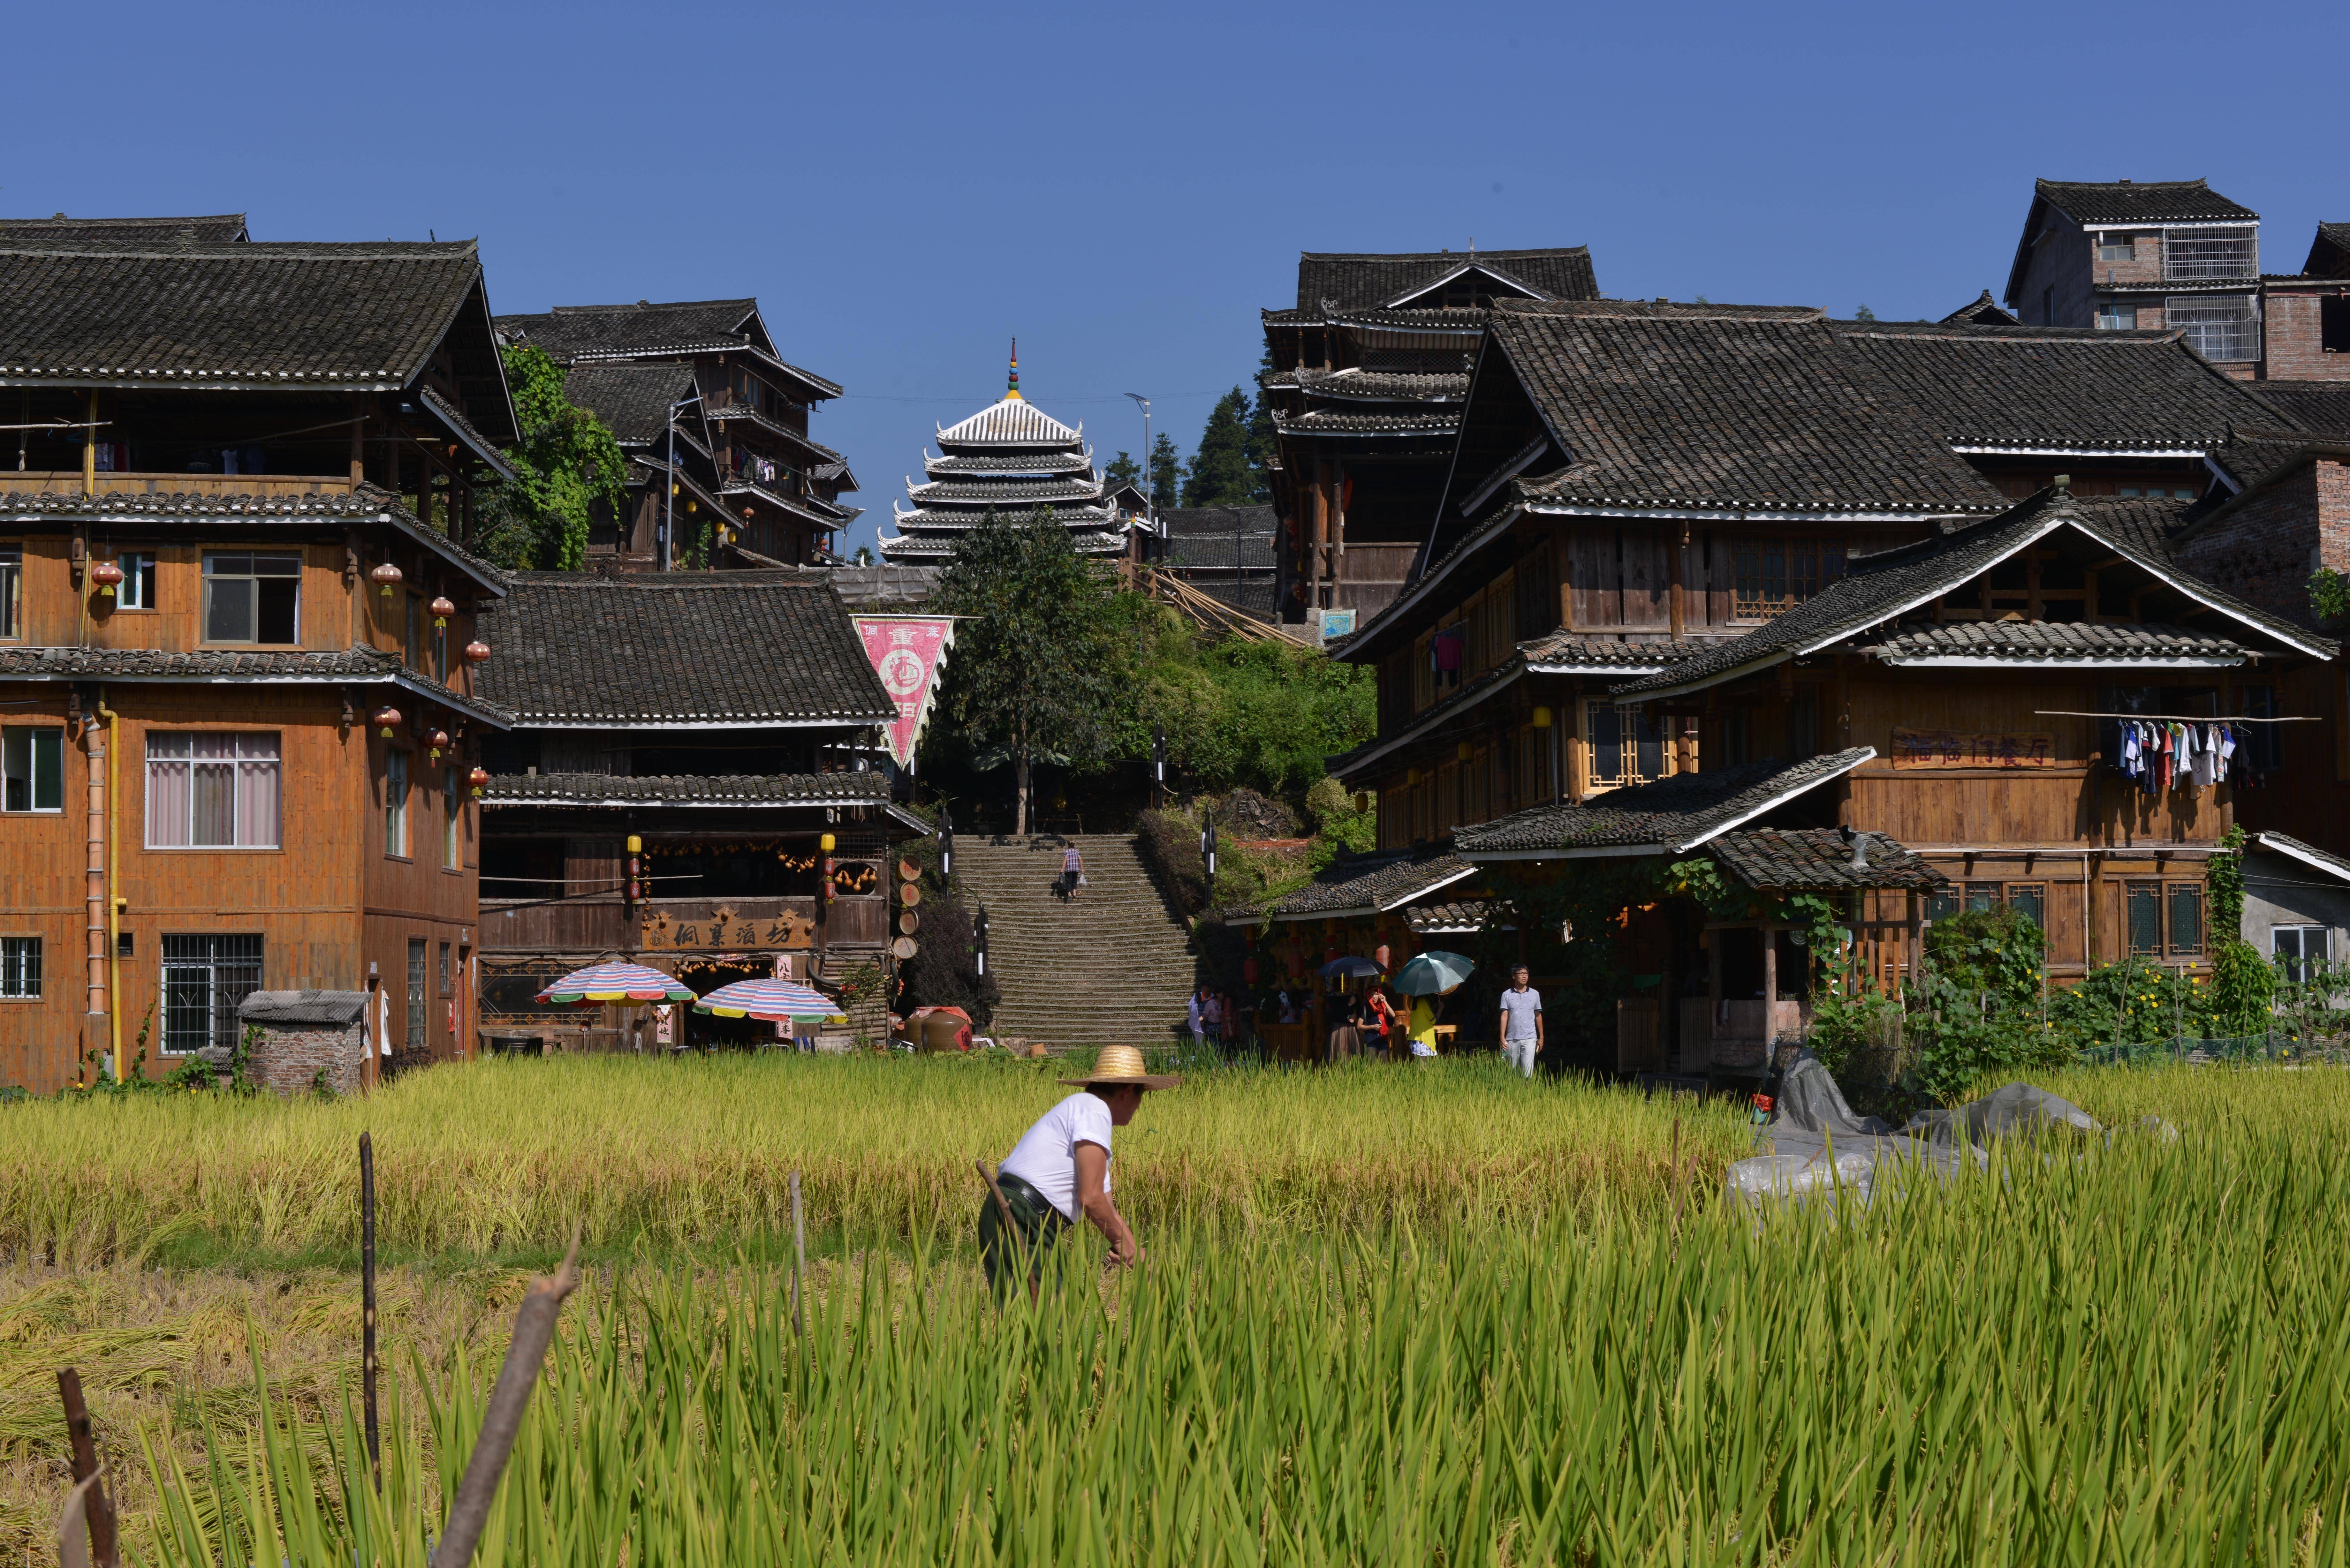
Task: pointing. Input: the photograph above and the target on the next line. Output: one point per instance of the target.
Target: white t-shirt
(1045, 1158)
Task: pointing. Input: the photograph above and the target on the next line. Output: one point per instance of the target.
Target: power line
(964, 399)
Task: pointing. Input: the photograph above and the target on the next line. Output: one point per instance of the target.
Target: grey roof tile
(2034, 641)
(318, 1009)
(352, 666)
(1320, 421)
(848, 787)
(1451, 919)
(1817, 859)
(1668, 816)
(633, 401)
(1981, 311)
(2139, 202)
(1373, 884)
(62, 233)
(2322, 407)
(1366, 279)
(748, 648)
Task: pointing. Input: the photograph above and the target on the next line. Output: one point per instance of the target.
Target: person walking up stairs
(1111, 967)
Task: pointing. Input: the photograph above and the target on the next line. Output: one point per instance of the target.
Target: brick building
(2127, 256)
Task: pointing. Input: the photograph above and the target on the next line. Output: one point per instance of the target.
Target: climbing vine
(565, 464)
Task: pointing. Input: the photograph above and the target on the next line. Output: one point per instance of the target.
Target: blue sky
(905, 188)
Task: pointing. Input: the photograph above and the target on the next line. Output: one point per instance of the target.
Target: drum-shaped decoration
(908, 922)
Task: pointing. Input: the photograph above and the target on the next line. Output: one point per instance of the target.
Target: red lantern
(385, 718)
(477, 652)
(437, 739)
(386, 577)
(477, 778)
(106, 573)
(441, 610)
(1248, 970)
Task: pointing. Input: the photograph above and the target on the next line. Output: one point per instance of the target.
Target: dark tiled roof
(571, 331)
(1581, 652)
(2320, 407)
(333, 1008)
(883, 586)
(1318, 421)
(1668, 816)
(1981, 311)
(633, 401)
(1252, 595)
(1205, 536)
(1019, 462)
(1381, 386)
(1025, 492)
(1070, 516)
(355, 666)
(2329, 252)
(1817, 859)
(1413, 320)
(1375, 884)
(844, 788)
(1725, 413)
(2135, 201)
(2036, 642)
(121, 234)
(301, 316)
(2286, 844)
(1876, 589)
(1450, 920)
(2146, 523)
(2250, 456)
(753, 648)
(368, 504)
(1369, 279)
(742, 413)
(1668, 310)
(2054, 389)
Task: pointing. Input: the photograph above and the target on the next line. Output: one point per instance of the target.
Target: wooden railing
(19, 481)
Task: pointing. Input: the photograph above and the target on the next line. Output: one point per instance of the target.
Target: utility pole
(669, 499)
(1149, 502)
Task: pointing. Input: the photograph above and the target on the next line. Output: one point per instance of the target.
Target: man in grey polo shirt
(1522, 1022)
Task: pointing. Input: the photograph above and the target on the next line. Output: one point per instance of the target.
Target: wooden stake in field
(366, 1304)
(799, 1254)
(502, 1418)
(96, 1508)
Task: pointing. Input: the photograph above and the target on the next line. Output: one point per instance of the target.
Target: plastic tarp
(1814, 1149)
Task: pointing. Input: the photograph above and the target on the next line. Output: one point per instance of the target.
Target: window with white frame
(211, 790)
(2300, 948)
(2225, 327)
(453, 820)
(20, 967)
(2114, 246)
(395, 803)
(136, 590)
(2115, 316)
(33, 766)
(2210, 253)
(12, 581)
(205, 977)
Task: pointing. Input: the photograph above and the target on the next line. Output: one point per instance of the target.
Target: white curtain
(258, 789)
(167, 791)
(215, 791)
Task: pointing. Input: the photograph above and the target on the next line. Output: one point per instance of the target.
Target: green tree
(1261, 439)
(1030, 669)
(1122, 469)
(1166, 473)
(1218, 471)
(566, 464)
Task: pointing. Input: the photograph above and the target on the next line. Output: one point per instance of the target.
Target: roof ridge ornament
(1012, 393)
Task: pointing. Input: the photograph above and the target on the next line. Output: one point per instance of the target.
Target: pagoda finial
(1012, 394)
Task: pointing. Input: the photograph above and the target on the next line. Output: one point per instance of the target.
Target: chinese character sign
(1967, 749)
(906, 651)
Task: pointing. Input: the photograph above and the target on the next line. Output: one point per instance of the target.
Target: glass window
(417, 1003)
(1775, 574)
(395, 803)
(20, 967)
(2030, 899)
(2117, 317)
(2210, 253)
(136, 590)
(1942, 906)
(205, 977)
(2300, 948)
(2145, 918)
(251, 597)
(452, 818)
(2186, 917)
(1982, 895)
(444, 969)
(34, 763)
(2223, 327)
(12, 581)
(1625, 748)
(2117, 247)
(212, 791)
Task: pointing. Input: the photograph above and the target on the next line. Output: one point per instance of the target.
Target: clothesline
(2174, 718)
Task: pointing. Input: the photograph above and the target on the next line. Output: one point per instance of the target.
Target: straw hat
(1120, 1064)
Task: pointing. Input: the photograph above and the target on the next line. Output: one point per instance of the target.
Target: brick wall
(287, 1058)
(2264, 553)
(2292, 340)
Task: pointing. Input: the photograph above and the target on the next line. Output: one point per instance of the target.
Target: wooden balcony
(35, 482)
(604, 925)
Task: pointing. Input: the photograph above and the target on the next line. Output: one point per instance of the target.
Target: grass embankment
(2128, 1352)
(497, 1160)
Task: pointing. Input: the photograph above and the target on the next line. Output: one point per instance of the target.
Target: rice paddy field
(1383, 1316)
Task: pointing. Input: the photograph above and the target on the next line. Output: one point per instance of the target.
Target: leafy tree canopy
(1220, 474)
(1122, 469)
(1166, 473)
(565, 462)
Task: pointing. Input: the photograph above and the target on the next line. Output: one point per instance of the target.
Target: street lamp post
(1147, 500)
(669, 500)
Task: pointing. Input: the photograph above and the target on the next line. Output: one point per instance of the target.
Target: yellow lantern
(1542, 719)
(1362, 800)
(826, 843)
(636, 845)
(1411, 776)
(1463, 751)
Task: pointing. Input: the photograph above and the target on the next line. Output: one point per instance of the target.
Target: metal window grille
(2145, 919)
(2185, 917)
(205, 977)
(417, 1015)
(2210, 253)
(20, 966)
(2030, 899)
(1942, 906)
(1982, 895)
(1773, 575)
(2222, 327)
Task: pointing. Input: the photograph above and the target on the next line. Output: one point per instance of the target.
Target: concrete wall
(2280, 890)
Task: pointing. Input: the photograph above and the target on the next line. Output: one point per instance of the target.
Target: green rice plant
(2099, 1350)
(498, 1158)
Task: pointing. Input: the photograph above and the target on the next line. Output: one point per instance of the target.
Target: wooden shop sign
(1968, 749)
(725, 930)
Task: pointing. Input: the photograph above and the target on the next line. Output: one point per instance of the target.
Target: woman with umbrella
(1431, 974)
(1345, 1039)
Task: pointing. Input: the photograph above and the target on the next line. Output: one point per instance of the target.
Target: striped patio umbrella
(771, 1000)
(622, 982)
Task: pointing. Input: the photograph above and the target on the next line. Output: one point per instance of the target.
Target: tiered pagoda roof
(1011, 457)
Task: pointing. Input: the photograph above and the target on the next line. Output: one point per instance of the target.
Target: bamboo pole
(502, 1420)
(97, 1508)
(366, 1304)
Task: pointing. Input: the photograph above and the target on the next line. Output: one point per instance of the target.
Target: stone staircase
(1113, 966)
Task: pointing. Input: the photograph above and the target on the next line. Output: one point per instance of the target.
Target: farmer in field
(1060, 1170)
(1522, 1022)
